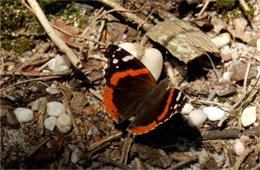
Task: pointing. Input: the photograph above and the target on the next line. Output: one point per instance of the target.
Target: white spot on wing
(113, 56)
(119, 49)
(117, 67)
(127, 58)
(115, 61)
(178, 97)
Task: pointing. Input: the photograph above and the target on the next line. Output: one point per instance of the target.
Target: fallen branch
(28, 74)
(229, 133)
(52, 34)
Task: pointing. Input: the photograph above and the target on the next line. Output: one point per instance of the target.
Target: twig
(105, 139)
(95, 93)
(126, 13)
(37, 148)
(246, 77)
(67, 106)
(115, 163)
(36, 56)
(20, 73)
(126, 148)
(182, 163)
(244, 5)
(229, 133)
(52, 34)
(41, 111)
(26, 81)
(242, 158)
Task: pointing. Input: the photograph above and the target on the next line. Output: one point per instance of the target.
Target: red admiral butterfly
(131, 93)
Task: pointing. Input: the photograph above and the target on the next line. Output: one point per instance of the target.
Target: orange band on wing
(109, 105)
(118, 75)
(143, 129)
(166, 108)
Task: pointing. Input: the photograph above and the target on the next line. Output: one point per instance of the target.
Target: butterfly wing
(156, 108)
(127, 83)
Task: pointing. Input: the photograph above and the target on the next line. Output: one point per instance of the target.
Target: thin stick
(26, 81)
(20, 73)
(126, 13)
(242, 158)
(52, 34)
(182, 163)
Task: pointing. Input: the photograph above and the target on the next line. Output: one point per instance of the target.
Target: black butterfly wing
(128, 81)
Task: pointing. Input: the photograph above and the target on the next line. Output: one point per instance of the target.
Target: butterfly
(132, 93)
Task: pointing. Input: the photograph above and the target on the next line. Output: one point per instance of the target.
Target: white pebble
(238, 147)
(222, 40)
(35, 105)
(130, 47)
(248, 116)
(23, 114)
(50, 122)
(152, 58)
(226, 76)
(59, 63)
(52, 89)
(55, 109)
(258, 45)
(187, 108)
(196, 117)
(203, 156)
(64, 123)
(214, 113)
(75, 156)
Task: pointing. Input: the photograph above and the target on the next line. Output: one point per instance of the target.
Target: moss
(225, 6)
(12, 16)
(70, 12)
(18, 46)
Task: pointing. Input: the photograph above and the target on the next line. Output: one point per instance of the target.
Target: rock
(197, 117)
(55, 109)
(152, 58)
(203, 156)
(248, 116)
(59, 63)
(52, 89)
(224, 88)
(50, 122)
(238, 147)
(130, 47)
(23, 114)
(214, 113)
(240, 24)
(226, 76)
(75, 156)
(187, 108)
(35, 105)
(64, 123)
(222, 40)
(258, 45)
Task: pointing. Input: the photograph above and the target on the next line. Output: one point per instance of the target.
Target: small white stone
(196, 117)
(64, 123)
(23, 114)
(75, 156)
(238, 147)
(258, 45)
(214, 113)
(248, 116)
(55, 109)
(59, 63)
(222, 40)
(187, 108)
(226, 76)
(129, 47)
(35, 105)
(52, 89)
(153, 60)
(50, 122)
